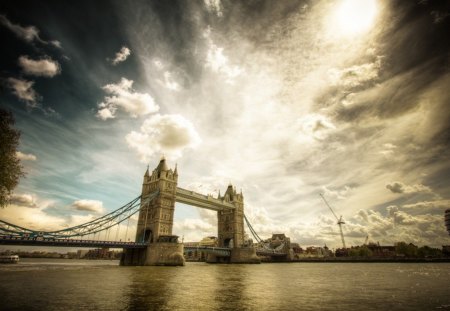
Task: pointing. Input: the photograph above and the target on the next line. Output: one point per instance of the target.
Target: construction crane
(340, 221)
(366, 240)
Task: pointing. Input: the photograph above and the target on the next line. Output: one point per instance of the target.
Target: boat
(9, 259)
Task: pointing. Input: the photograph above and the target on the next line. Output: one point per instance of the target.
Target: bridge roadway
(202, 201)
(69, 242)
(269, 253)
(26, 241)
(220, 251)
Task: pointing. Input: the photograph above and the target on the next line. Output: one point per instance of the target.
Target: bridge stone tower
(156, 216)
(230, 227)
(155, 221)
(231, 222)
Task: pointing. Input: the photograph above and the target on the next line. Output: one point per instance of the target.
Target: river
(58, 284)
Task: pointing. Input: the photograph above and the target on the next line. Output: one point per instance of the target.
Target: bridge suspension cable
(97, 225)
(253, 232)
(264, 247)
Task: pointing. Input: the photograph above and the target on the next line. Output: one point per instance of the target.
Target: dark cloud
(25, 200)
(399, 187)
(396, 187)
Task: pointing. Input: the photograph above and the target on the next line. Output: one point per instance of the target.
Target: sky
(284, 99)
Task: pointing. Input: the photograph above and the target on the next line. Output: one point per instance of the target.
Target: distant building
(81, 253)
(279, 239)
(296, 248)
(380, 251)
(102, 253)
(196, 255)
(211, 241)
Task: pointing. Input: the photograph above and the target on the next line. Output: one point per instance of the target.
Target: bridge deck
(200, 200)
(70, 243)
(220, 251)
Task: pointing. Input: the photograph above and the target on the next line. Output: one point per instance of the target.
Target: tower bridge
(154, 242)
(155, 222)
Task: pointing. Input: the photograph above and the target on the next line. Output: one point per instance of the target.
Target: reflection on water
(102, 285)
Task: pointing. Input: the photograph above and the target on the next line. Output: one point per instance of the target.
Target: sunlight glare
(356, 16)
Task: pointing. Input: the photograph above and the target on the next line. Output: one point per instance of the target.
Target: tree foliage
(10, 168)
(407, 250)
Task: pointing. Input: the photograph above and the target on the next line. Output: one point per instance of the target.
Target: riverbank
(353, 259)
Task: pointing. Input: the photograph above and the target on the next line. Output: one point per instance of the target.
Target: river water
(57, 284)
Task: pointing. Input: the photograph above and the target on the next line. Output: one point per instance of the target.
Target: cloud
(169, 134)
(26, 200)
(23, 89)
(88, 205)
(125, 98)
(56, 43)
(194, 229)
(355, 75)
(435, 207)
(170, 83)
(388, 149)
(31, 218)
(399, 187)
(340, 194)
(121, 56)
(28, 34)
(218, 62)
(214, 6)
(25, 156)
(439, 17)
(316, 126)
(43, 67)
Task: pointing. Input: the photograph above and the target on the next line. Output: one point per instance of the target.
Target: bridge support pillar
(244, 255)
(164, 254)
(156, 254)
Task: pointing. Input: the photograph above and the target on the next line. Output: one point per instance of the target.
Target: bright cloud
(121, 56)
(122, 96)
(355, 75)
(25, 156)
(170, 83)
(29, 211)
(218, 62)
(194, 229)
(43, 67)
(316, 126)
(23, 89)
(88, 205)
(167, 134)
(214, 6)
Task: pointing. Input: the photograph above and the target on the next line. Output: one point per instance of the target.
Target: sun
(355, 16)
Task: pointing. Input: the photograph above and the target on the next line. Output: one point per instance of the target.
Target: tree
(407, 250)
(10, 168)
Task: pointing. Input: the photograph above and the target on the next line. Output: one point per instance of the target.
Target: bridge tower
(155, 221)
(156, 216)
(231, 222)
(230, 227)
